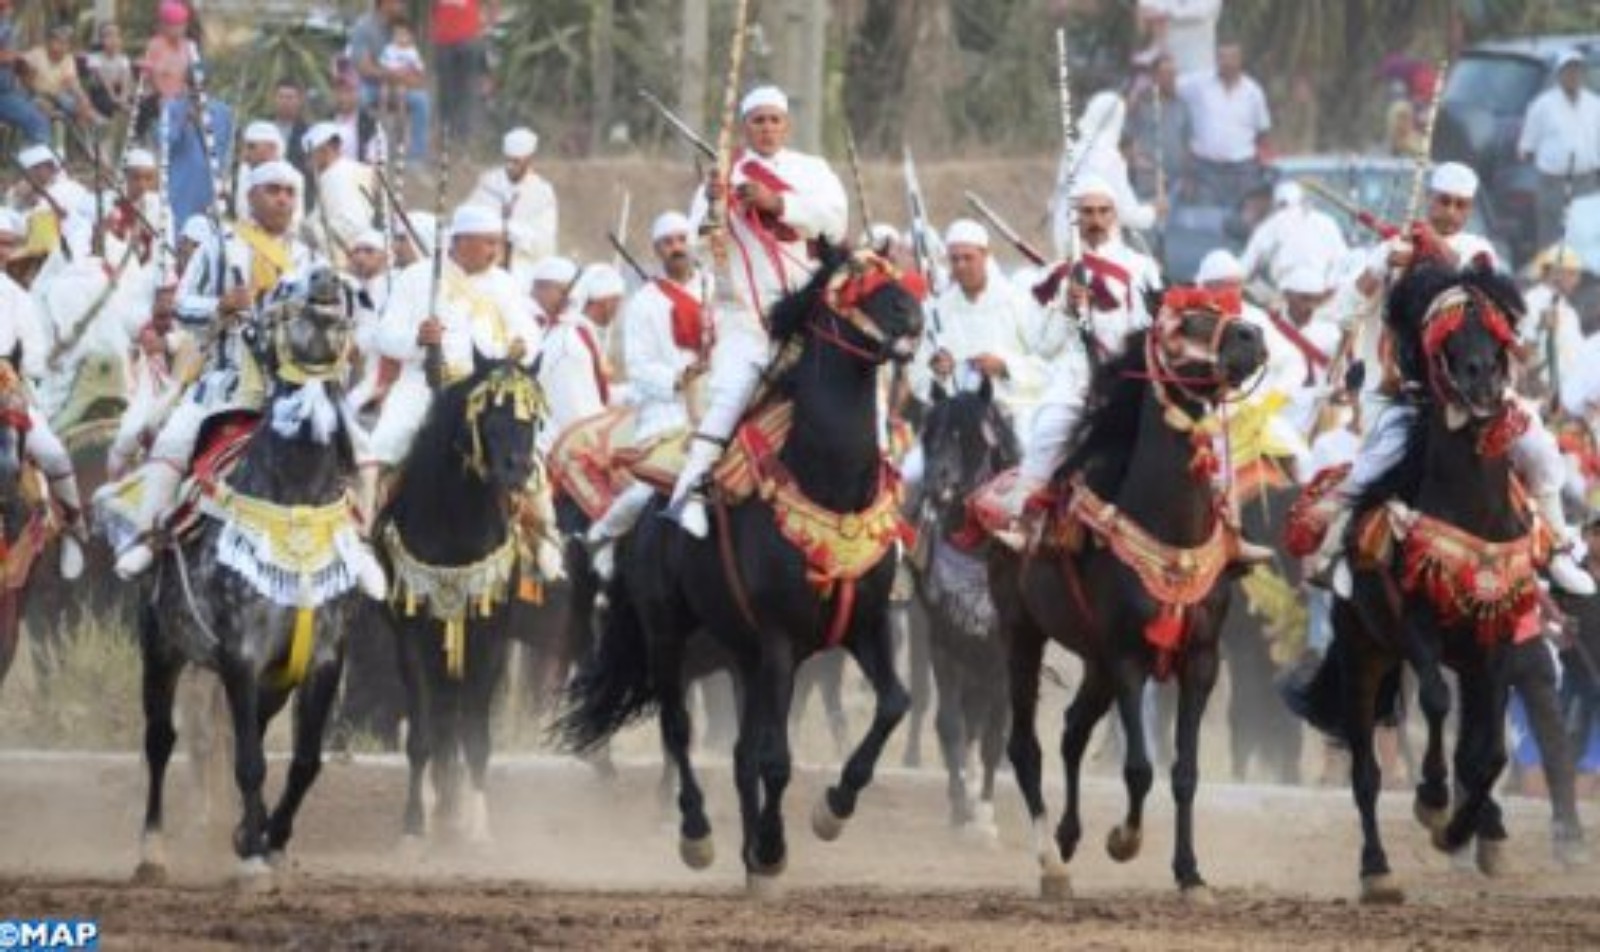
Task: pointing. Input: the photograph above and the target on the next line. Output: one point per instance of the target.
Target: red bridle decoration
(1229, 302)
(858, 280)
(1449, 311)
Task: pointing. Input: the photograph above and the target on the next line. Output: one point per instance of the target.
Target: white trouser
(623, 512)
(1055, 424)
(51, 456)
(733, 385)
(404, 410)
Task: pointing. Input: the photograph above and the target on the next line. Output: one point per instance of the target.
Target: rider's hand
(430, 333)
(236, 300)
(990, 365)
(761, 198)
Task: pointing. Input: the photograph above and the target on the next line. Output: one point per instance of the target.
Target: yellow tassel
(293, 671)
(530, 591)
(485, 604)
(455, 648)
(411, 603)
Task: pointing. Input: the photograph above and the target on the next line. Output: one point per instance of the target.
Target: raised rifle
(717, 208)
(1028, 251)
(433, 354)
(679, 126)
(861, 189)
(623, 255)
(922, 241)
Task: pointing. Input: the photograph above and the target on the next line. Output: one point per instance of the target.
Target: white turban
(965, 231)
(1453, 178)
(476, 220)
(763, 96)
(276, 172)
(35, 155)
(600, 281)
(667, 224)
(138, 159)
(1304, 279)
(1288, 193)
(1087, 185)
(1219, 265)
(197, 229)
(520, 143)
(319, 135)
(554, 269)
(372, 239)
(883, 235)
(261, 132)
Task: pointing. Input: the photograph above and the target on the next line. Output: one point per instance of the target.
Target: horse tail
(615, 685)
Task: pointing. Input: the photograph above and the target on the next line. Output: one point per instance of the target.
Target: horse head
(856, 302)
(305, 325)
(1456, 332)
(502, 408)
(14, 425)
(965, 440)
(1200, 344)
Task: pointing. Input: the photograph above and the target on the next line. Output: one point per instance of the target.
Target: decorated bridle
(1177, 304)
(286, 302)
(504, 385)
(1447, 315)
(847, 291)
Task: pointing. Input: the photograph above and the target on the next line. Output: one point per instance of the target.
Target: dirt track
(582, 864)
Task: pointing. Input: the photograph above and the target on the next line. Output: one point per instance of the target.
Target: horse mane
(789, 314)
(433, 454)
(1408, 302)
(1111, 427)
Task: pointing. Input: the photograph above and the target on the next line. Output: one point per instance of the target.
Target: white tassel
(310, 404)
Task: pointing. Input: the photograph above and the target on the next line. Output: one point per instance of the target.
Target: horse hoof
(412, 847)
(253, 874)
(1440, 837)
(1433, 819)
(1198, 895)
(824, 823)
(150, 874)
(278, 860)
(1381, 889)
(697, 854)
(1055, 885)
(978, 833)
(1492, 857)
(1571, 853)
(1123, 842)
(763, 887)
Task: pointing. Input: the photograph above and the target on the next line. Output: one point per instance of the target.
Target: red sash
(1102, 273)
(1315, 358)
(758, 172)
(688, 318)
(596, 362)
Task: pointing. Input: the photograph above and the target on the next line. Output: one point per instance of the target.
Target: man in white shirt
(22, 329)
(1561, 134)
(480, 312)
(47, 189)
(574, 373)
(668, 334)
(1549, 336)
(1230, 122)
(345, 190)
(1295, 235)
(782, 202)
(1186, 29)
(526, 201)
(551, 286)
(263, 143)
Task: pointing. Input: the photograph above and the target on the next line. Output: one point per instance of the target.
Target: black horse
(449, 536)
(966, 440)
(1146, 453)
(227, 598)
(1452, 331)
(749, 585)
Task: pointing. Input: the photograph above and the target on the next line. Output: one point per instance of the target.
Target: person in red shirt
(460, 55)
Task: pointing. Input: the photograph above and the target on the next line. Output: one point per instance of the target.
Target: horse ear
(986, 390)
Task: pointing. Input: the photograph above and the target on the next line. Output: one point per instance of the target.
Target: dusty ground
(580, 863)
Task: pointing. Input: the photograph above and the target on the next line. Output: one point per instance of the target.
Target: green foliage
(92, 700)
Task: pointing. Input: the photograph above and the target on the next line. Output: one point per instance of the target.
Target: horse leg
(160, 684)
(1124, 840)
(249, 765)
(762, 764)
(1361, 676)
(991, 746)
(1480, 746)
(874, 653)
(695, 846)
(830, 686)
(1432, 804)
(419, 725)
(446, 745)
(1196, 679)
(485, 668)
(314, 701)
(1025, 656)
(919, 677)
(1536, 680)
(1088, 706)
(949, 724)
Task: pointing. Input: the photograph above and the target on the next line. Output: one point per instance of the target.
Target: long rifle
(1552, 319)
(717, 208)
(679, 126)
(625, 256)
(922, 241)
(433, 354)
(390, 189)
(200, 115)
(621, 234)
(861, 189)
(1423, 158)
(1028, 251)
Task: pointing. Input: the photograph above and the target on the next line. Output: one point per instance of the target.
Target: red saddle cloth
(221, 446)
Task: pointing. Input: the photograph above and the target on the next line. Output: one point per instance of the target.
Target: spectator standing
(1231, 122)
(171, 53)
(16, 108)
(361, 136)
(111, 80)
(1561, 134)
(390, 71)
(1164, 145)
(1187, 29)
(459, 56)
(288, 114)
